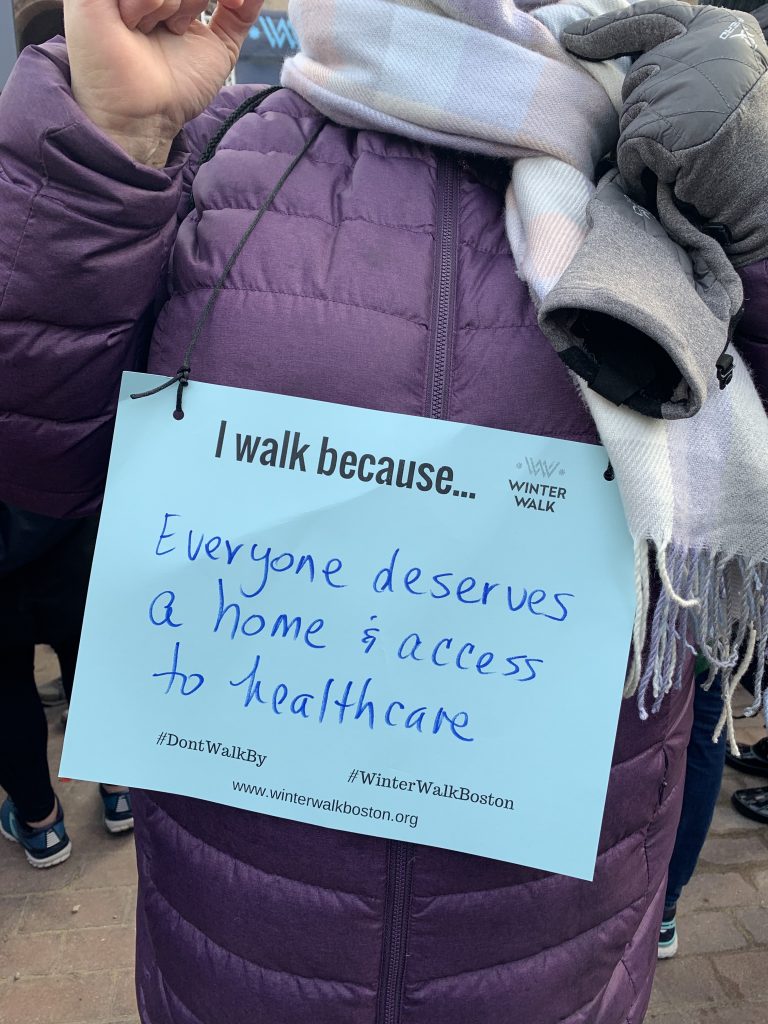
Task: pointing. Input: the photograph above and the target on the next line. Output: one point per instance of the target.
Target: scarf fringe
(709, 604)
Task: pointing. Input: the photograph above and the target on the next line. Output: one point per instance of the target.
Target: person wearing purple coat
(381, 276)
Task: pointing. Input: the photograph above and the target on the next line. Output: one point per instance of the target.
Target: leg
(703, 777)
(118, 814)
(64, 590)
(66, 652)
(24, 738)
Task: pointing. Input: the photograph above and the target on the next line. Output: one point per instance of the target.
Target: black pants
(703, 778)
(24, 772)
(41, 602)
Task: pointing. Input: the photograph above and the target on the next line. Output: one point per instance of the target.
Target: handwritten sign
(380, 623)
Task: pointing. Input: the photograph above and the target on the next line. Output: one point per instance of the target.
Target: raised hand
(142, 68)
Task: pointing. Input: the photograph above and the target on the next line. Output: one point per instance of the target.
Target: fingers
(232, 20)
(633, 30)
(167, 9)
(181, 22)
(146, 15)
(178, 22)
(174, 15)
(99, 14)
(134, 11)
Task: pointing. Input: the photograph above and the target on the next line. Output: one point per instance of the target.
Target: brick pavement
(720, 975)
(66, 934)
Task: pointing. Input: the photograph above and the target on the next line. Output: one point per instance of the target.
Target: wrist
(146, 141)
(152, 152)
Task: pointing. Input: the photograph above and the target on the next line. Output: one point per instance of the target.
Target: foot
(118, 813)
(668, 935)
(752, 803)
(753, 760)
(44, 847)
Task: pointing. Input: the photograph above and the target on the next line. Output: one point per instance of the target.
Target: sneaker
(118, 813)
(668, 935)
(44, 847)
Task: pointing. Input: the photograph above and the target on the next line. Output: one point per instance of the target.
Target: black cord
(246, 107)
(181, 377)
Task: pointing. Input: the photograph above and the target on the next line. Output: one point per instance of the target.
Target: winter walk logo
(540, 467)
(536, 496)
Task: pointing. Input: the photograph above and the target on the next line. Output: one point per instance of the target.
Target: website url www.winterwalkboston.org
(334, 806)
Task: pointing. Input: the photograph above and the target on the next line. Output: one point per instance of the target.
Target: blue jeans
(703, 777)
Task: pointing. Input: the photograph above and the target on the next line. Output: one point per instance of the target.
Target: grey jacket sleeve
(642, 319)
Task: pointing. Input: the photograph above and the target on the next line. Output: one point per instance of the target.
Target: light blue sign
(380, 623)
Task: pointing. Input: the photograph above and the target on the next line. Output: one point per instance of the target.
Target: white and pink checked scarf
(484, 76)
(490, 76)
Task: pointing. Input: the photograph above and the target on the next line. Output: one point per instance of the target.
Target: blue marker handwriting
(350, 701)
(198, 545)
(468, 590)
(398, 575)
(248, 603)
(467, 656)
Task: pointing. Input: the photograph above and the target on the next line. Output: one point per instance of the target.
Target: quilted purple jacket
(381, 277)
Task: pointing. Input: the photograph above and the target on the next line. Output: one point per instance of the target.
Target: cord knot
(182, 376)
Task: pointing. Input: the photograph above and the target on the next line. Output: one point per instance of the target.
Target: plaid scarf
(490, 76)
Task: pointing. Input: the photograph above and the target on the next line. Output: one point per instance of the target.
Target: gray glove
(695, 115)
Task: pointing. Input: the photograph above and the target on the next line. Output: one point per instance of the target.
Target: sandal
(752, 803)
(753, 760)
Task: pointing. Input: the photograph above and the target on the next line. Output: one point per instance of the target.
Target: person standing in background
(44, 569)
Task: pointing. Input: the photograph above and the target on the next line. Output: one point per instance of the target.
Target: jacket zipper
(399, 856)
(395, 944)
(444, 288)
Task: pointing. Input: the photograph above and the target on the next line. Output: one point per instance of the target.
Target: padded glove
(695, 116)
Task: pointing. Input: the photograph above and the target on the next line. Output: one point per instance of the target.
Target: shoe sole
(749, 763)
(747, 812)
(666, 952)
(49, 862)
(116, 827)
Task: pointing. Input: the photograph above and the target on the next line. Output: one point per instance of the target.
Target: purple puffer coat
(381, 277)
